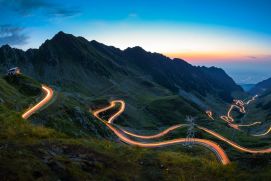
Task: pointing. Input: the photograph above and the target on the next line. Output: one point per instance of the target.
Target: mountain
(64, 141)
(69, 59)
(261, 87)
(177, 74)
(87, 70)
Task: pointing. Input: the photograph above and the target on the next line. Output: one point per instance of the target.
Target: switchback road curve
(49, 95)
(220, 153)
(121, 133)
(211, 145)
(240, 105)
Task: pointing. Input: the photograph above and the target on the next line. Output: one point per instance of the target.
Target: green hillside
(36, 152)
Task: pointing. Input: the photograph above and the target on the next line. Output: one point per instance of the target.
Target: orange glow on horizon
(213, 56)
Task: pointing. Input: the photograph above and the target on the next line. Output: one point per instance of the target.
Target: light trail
(253, 99)
(265, 133)
(49, 94)
(211, 145)
(166, 131)
(239, 102)
(112, 104)
(229, 118)
(207, 143)
(122, 108)
(111, 119)
(220, 153)
(95, 113)
(248, 125)
(241, 106)
(233, 144)
(210, 115)
(235, 126)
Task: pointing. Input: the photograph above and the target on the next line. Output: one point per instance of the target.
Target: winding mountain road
(49, 95)
(158, 135)
(265, 133)
(239, 104)
(210, 115)
(235, 145)
(124, 134)
(121, 133)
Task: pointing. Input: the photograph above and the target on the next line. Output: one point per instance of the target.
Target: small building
(14, 71)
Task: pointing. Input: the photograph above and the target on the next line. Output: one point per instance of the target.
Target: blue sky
(232, 34)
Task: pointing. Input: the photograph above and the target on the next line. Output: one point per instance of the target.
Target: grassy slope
(47, 154)
(60, 153)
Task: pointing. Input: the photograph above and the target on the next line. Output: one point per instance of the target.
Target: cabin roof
(13, 69)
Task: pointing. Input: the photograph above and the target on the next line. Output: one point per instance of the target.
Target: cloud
(251, 57)
(12, 35)
(28, 7)
(64, 12)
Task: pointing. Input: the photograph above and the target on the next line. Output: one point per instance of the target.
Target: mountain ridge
(261, 87)
(69, 59)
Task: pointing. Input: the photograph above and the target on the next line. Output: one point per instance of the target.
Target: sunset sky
(232, 34)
